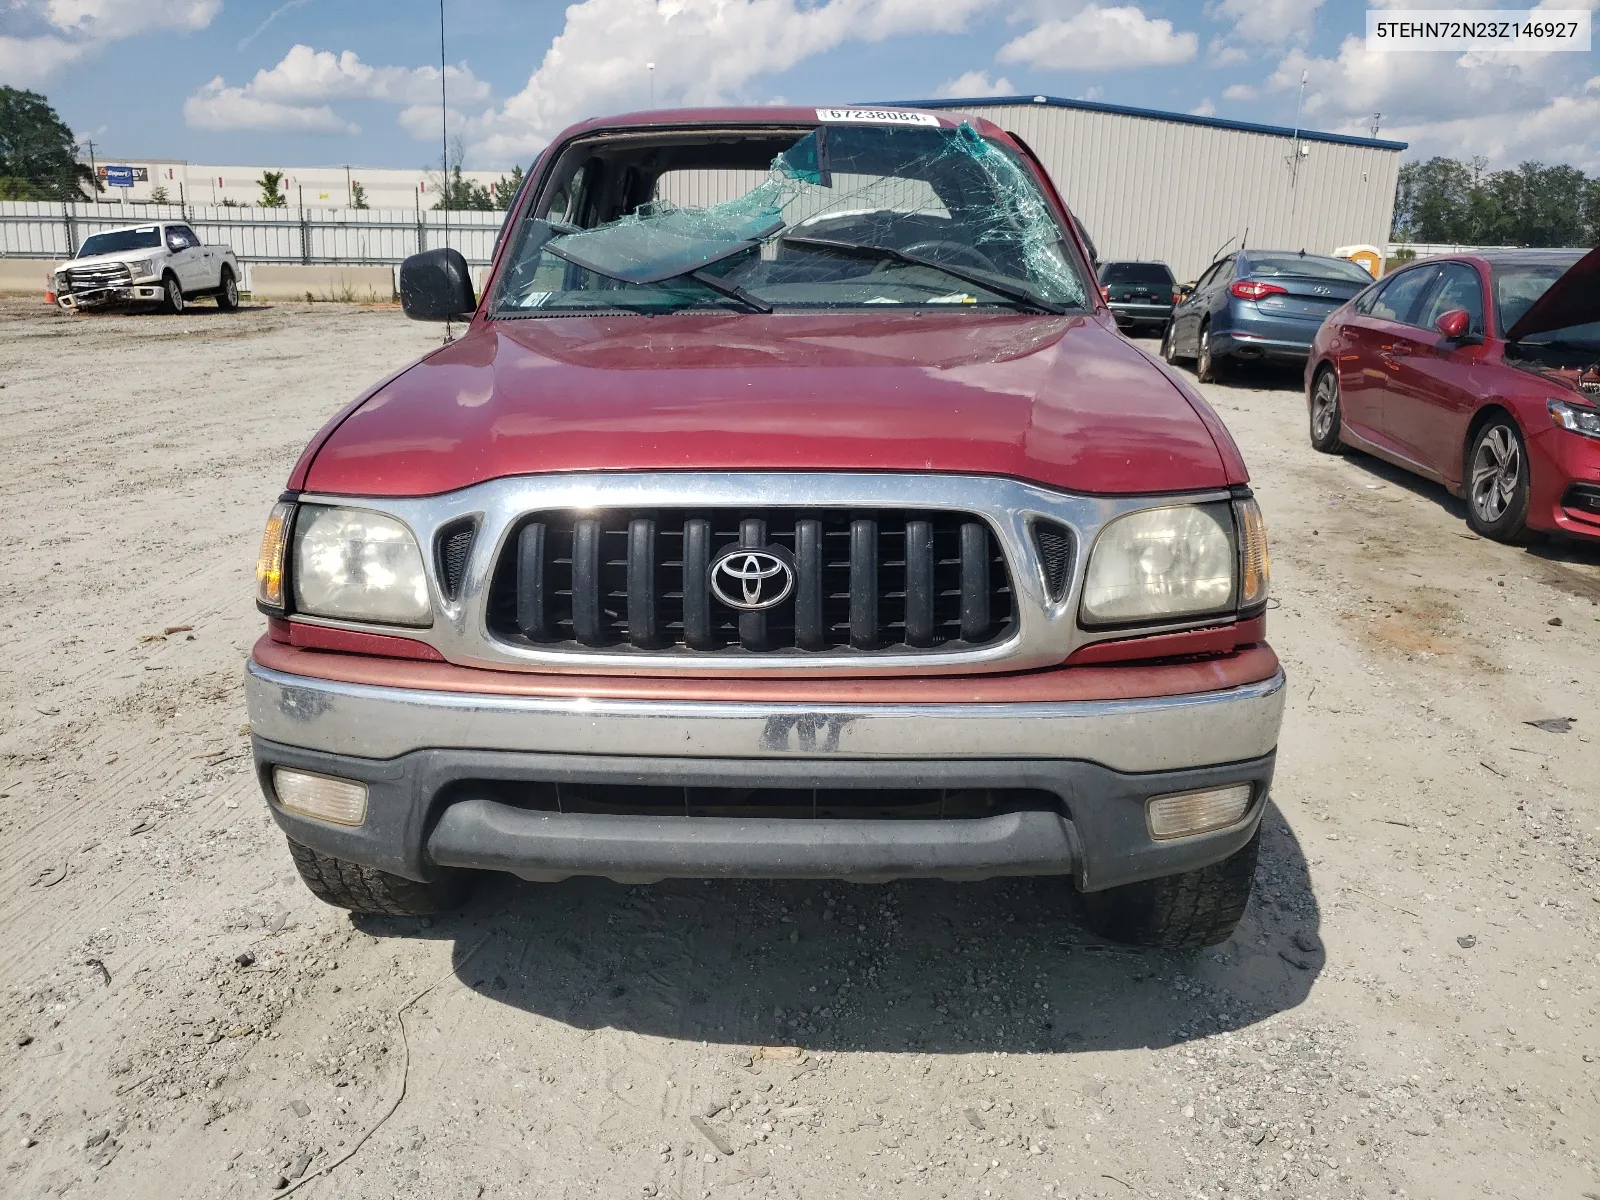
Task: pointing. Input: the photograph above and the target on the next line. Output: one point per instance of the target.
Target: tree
(358, 195)
(463, 194)
(1445, 200)
(158, 195)
(38, 160)
(454, 192)
(271, 187)
(505, 189)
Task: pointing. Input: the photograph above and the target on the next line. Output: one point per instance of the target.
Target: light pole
(651, 67)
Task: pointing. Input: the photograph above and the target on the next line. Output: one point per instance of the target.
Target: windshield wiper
(731, 290)
(861, 250)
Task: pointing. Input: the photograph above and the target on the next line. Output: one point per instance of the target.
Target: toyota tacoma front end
(826, 529)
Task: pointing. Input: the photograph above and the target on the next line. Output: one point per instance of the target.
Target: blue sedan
(1258, 304)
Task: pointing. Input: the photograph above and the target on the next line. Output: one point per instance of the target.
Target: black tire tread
(368, 890)
(1178, 912)
(1333, 445)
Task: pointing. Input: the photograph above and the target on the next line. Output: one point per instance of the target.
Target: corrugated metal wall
(1146, 188)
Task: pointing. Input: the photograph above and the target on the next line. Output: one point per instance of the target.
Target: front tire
(1178, 912)
(173, 300)
(1326, 415)
(1169, 344)
(1497, 481)
(374, 892)
(228, 293)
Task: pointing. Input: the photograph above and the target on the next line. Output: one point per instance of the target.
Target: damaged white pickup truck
(164, 262)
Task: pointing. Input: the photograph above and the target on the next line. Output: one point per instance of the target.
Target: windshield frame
(547, 180)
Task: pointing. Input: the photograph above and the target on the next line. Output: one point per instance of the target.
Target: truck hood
(96, 260)
(1062, 401)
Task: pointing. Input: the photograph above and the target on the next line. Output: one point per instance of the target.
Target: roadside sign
(119, 176)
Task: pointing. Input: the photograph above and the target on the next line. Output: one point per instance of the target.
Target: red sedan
(1480, 372)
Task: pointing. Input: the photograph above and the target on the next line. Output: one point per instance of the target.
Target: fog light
(342, 801)
(1184, 814)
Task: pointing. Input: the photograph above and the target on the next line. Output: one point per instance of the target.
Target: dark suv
(1138, 293)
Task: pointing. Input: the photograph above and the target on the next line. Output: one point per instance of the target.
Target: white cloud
(68, 30)
(705, 51)
(1204, 109)
(26, 62)
(294, 94)
(108, 20)
(219, 107)
(1099, 38)
(975, 83)
(1220, 54)
(1506, 107)
(1239, 91)
(1269, 20)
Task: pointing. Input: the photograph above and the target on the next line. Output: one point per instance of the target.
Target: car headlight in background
(357, 565)
(1579, 418)
(1188, 560)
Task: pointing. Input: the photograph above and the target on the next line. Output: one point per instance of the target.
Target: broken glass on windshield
(846, 215)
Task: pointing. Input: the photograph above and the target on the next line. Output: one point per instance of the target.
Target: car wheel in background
(173, 302)
(1169, 345)
(369, 890)
(228, 293)
(1178, 912)
(1325, 415)
(1497, 481)
(1206, 368)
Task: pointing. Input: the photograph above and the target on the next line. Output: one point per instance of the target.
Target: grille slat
(586, 580)
(865, 582)
(974, 579)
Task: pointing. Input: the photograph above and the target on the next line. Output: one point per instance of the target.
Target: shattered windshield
(847, 215)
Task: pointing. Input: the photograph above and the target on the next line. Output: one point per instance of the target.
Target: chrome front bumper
(437, 765)
(1158, 734)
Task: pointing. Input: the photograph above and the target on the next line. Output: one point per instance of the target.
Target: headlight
(1579, 418)
(1162, 564)
(359, 566)
(147, 268)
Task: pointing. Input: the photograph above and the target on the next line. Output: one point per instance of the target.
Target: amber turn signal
(1255, 565)
(269, 563)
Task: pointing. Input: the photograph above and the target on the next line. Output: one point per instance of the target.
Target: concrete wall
(363, 285)
(24, 276)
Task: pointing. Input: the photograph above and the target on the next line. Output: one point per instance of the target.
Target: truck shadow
(923, 966)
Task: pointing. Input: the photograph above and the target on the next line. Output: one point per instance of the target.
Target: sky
(356, 82)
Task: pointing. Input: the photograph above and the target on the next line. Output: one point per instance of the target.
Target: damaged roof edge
(976, 105)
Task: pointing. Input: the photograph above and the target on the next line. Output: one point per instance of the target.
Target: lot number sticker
(875, 116)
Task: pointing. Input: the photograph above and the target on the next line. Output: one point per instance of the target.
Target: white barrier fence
(46, 229)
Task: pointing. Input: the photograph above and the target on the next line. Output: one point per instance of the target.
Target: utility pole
(1295, 154)
(444, 140)
(349, 201)
(651, 67)
(94, 174)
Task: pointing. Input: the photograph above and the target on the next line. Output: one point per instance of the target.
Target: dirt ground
(1407, 1010)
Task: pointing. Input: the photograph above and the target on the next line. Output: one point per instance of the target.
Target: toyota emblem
(752, 580)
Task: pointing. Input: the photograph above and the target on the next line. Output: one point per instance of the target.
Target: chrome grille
(639, 579)
(84, 279)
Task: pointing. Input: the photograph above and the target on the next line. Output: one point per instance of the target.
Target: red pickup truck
(790, 507)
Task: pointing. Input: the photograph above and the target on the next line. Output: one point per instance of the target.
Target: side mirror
(1454, 325)
(436, 286)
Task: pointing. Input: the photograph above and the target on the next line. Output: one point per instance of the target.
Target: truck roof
(774, 114)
